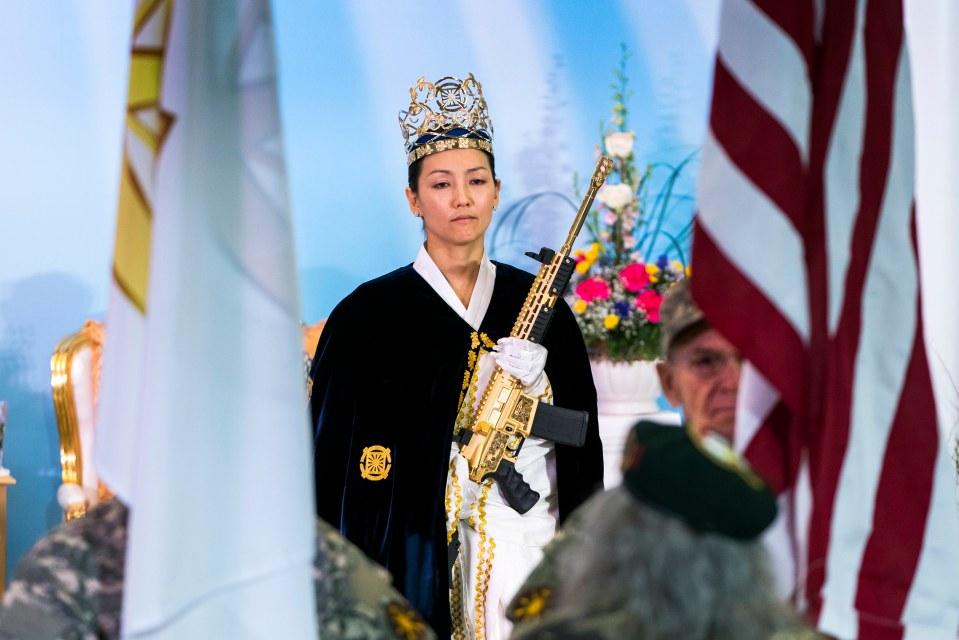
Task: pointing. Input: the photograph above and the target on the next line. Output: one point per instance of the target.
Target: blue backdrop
(345, 71)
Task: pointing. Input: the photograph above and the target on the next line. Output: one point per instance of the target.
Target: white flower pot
(626, 393)
(626, 388)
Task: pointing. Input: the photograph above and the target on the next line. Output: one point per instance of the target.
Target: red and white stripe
(805, 258)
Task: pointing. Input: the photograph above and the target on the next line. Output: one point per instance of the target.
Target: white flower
(615, 196)
(610, 218)
(619, 144)
(629, 242)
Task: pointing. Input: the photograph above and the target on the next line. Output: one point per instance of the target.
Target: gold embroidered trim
(456, 587)
(470, 380)
(480, 344)
(484, 562)
(456, 601)
(447, 144)
(456, 503)
(547, 395)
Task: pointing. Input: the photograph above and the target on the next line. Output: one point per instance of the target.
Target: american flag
(805, 258)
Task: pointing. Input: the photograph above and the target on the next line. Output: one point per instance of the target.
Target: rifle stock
(506, 415)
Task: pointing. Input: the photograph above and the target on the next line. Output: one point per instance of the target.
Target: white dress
(499, 547)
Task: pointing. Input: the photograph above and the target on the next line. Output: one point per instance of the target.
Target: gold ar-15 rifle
(506, 416)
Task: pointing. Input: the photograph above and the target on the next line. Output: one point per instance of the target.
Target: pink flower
(649, 302)
(634, 277)
(593, 289)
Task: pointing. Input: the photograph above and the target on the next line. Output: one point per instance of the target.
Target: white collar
(482, 290)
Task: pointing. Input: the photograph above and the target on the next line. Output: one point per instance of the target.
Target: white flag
(203, 429)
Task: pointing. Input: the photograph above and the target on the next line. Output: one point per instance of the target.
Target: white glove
(522, 359)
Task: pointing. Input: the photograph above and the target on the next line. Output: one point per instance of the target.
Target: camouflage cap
(677, 313)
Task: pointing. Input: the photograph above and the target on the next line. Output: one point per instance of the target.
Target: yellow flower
(678, 266)
(593, 252)
(654, 279)
(579, 306)
(689, 270)
(611, 321)
(583, 266)
(652, 269)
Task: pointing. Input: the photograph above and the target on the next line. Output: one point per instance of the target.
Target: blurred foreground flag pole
(805, 258)
(203, 429)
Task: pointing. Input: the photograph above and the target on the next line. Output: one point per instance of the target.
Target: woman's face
(455, 196)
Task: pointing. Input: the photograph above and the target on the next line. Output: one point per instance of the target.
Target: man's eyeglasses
(707, 363)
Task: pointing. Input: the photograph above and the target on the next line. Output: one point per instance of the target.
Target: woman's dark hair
(414, 170)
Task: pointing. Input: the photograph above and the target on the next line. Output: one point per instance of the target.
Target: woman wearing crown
(396, 374)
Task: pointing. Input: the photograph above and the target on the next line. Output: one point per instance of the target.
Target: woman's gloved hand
(522, 359)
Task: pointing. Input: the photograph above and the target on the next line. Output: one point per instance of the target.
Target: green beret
(700, 481)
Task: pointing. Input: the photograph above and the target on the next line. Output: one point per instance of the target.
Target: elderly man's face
(703, 377)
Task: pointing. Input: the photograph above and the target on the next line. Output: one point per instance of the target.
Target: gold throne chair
(75, 378)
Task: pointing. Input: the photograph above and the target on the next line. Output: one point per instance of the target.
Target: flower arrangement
(616, 291)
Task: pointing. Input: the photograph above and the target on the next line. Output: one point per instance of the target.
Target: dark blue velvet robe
(388, 371)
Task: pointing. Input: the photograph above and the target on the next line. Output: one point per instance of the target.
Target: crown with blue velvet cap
(447, 114)
(699, 480)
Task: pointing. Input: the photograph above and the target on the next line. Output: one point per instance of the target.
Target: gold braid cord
(457, 607)
(547, 395)
(484, 561)
(454, 503)
(480, 344)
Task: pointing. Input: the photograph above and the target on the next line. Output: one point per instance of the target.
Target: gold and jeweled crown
(447, 114)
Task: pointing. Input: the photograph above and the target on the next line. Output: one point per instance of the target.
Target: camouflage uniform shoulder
(354, 596)
(70, 583)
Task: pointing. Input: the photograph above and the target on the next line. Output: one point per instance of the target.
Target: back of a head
(672, 553)
(641, 573)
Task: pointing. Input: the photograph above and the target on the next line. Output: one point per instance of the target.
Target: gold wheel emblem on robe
(375, 463)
